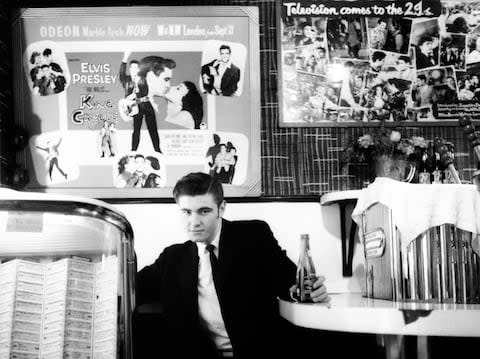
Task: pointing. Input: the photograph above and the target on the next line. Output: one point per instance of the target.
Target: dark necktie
(213, 263)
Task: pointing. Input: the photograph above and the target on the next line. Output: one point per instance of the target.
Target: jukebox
(420, 241)
(67, 268)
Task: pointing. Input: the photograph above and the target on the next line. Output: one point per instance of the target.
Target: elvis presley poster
(124, 105)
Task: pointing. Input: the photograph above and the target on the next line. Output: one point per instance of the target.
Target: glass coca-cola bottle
(305, 271)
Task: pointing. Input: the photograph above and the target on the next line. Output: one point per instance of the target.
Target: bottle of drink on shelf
(305, 271)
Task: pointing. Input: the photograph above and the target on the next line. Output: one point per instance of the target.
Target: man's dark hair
(133, 62)
(139, 156)
(405, 58)
(156, 64)
(378, 55)
(34, 55)
(225, 47)
(47, 52)
(197, 184)
(424, 39)
(422, 77)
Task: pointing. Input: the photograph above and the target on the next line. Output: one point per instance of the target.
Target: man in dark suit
(221, 76)
(426, 54)
(218, 291)
(129, 81)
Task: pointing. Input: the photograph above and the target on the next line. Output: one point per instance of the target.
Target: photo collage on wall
(143, 104)
(356, 70)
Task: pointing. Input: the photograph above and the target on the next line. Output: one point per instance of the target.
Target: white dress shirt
(208, 304)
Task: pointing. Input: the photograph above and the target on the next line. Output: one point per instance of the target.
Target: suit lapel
(225, 254)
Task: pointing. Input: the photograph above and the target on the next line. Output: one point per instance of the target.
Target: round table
(392, 320)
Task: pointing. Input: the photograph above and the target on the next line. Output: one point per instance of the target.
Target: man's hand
(319, 294)
(126, 55)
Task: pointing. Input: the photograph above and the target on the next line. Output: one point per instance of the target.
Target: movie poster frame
(294, 115)
(251, 186)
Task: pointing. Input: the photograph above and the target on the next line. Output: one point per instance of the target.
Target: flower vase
(394, 167)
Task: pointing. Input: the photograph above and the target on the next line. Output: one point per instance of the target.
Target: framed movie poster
(361, 63)
(124, 105)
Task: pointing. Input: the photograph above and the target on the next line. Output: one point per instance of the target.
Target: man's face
(159, 85)
(436, 75)
(450, 83)
(130, 165)
(378, 64)
(201, 217)
(139, 164)
(47, 59)
(475, 79)
(402, 65)
(224, 55)
(382, 25)
(426, 48)
(307, 30)
(133, 69)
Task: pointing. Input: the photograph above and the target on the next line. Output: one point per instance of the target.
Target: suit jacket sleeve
(230, 86)
(148, 281)
(281, 270)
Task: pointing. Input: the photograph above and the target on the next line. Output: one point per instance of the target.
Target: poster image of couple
(149, 93)
(45, 65)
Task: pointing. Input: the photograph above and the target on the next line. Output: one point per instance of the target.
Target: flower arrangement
(385, 152)
(382, 142)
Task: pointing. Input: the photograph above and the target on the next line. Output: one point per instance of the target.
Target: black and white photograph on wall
(351, 73)
(319, 99)
(453, 50)
(469, 85)
(426, 41)
(433, 87)
(461, 16)
(312, 59)
(392, 65)
(385, 98)
(389, 34)
(388, 64)
(473, 46)
(422, 114)
(347, 38)
(308, 31)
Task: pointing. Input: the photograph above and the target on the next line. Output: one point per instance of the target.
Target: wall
(157, 226)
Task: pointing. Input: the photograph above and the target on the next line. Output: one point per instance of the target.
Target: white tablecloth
(418, 207)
